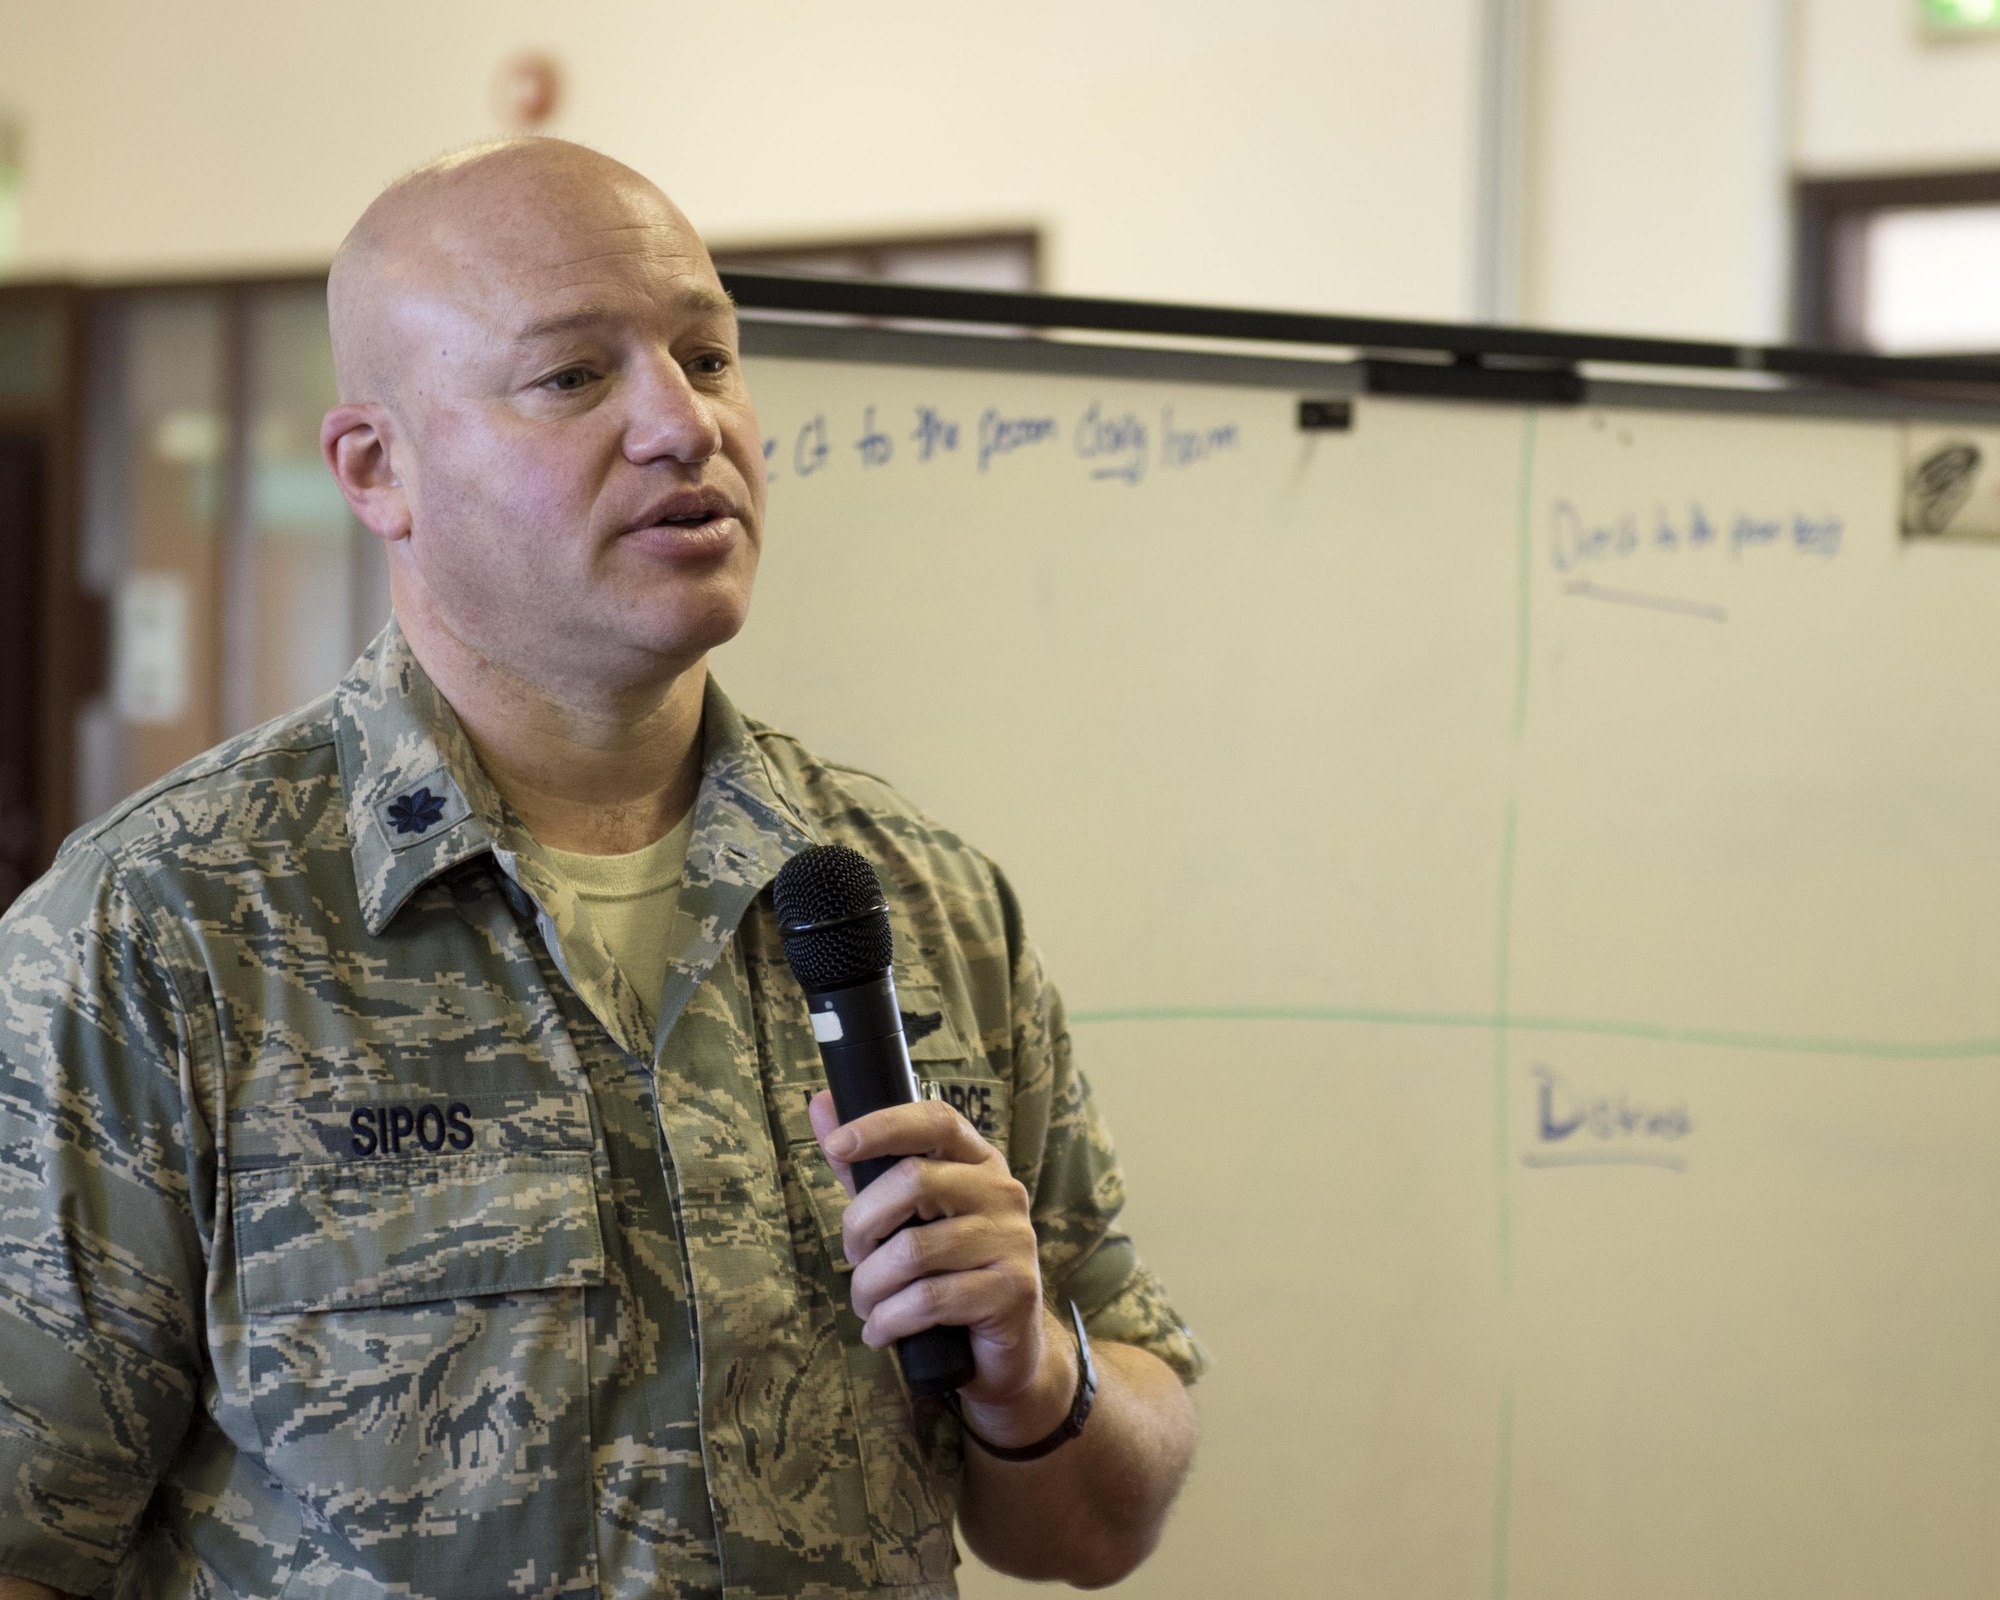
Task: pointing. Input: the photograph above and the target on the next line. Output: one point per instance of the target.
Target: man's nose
(669, 418)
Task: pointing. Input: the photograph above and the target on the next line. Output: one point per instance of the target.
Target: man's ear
(355, 439)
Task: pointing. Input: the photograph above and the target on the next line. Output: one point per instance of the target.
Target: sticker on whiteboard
(150, 648)
(1951, 483)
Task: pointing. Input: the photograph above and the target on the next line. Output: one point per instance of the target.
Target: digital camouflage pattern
(358, 1235)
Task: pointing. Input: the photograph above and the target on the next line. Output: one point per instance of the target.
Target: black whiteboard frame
(1316, 376)
(1547, 366)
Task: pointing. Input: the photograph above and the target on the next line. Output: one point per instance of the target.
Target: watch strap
(1068, 1428)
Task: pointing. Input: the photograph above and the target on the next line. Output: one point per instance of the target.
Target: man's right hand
(22, 1589)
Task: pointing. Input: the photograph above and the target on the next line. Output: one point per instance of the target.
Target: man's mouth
(687, 525)
(687, 511)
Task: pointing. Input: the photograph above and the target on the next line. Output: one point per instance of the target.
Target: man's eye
(710, 365)
(568, 381)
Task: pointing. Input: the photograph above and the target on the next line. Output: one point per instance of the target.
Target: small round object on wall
(527, 90)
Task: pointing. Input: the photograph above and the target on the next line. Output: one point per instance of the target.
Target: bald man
(416, 1174)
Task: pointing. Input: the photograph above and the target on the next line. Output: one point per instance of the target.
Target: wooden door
(23, 496)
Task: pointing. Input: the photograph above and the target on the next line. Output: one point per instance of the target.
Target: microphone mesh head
(833, 918)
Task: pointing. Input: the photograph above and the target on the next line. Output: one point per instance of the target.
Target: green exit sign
(1959, 16)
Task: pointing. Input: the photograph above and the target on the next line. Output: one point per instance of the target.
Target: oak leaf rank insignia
(416, 812)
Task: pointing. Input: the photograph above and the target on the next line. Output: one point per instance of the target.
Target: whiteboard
(1525, 884)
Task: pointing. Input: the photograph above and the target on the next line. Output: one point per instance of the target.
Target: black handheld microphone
(835, 925)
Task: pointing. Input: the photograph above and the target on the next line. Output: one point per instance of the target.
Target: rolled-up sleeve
(1061, 1148)
(102, 1257)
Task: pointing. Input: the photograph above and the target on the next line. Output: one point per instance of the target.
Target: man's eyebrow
(710, 300)
(698, 301)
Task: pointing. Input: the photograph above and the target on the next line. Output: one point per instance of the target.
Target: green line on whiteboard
(1503, 1158)
(1503, 954)
(1720, 1038)
(1503, 1490)
(1417, 1019)
(1788, 1044)
(1503, 971)
(1524, 516)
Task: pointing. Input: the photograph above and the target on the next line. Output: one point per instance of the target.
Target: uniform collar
(747, 824)
(419, 804)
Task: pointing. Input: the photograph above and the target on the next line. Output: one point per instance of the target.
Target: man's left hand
(971, 1263)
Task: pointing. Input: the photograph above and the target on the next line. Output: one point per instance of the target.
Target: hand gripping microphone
(835, 925)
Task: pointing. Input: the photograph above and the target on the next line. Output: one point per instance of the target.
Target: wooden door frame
(75, 625)
(72, 626)
(1824, 213)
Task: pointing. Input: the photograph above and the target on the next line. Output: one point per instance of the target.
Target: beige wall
(1663, 140)
(1313, 153)
(1656, 195)
(1304, 152)
(1875, 96)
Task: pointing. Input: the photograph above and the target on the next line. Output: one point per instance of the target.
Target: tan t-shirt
(631, 900)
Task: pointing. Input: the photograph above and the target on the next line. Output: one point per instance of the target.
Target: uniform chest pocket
(946, 1070)
(339, 1237)
(413, 1331)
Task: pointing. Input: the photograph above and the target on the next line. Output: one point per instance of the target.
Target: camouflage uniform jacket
(354, 1241)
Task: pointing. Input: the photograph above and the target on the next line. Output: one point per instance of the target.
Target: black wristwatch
(1068, 1428)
